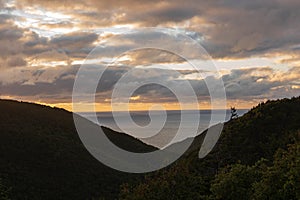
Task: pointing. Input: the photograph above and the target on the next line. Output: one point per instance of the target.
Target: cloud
(89, 4)
(55, 85)
(246, 28)
(164, 14)
(1, 3)
(19, 46)
(260, 83)
(227, 29)
(10, 36)
(150, 57)
(16, 61)
(74, 40)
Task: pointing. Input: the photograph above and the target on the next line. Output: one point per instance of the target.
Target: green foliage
(4, 191)
(242, 164)
(234, 182)
(279, 181)
(259, 133)
(282, 179)
(41, 157)
(176, 183)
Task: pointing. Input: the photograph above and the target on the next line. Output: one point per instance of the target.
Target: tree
(4, 191)
(282, 179)
(277, 180)
(236, 181)
(233, 113)
(175, 183)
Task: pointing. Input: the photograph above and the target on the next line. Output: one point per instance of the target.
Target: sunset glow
(43, 44)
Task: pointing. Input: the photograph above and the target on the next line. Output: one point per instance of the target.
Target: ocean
(154, 131)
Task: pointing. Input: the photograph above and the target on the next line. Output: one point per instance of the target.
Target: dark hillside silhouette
(42, 157)
(252, 152)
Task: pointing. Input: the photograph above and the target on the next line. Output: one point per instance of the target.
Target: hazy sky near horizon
(254, 44)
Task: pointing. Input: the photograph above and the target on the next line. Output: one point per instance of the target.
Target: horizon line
(162, 110)
(68, 107)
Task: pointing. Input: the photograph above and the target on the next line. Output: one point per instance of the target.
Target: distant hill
(42, 157)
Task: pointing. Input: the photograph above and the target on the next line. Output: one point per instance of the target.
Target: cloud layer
(43, 44)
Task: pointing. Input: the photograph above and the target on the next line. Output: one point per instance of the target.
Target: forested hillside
(42, 157)
(257, 157)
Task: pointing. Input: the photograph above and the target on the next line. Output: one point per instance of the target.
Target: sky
(254, 45)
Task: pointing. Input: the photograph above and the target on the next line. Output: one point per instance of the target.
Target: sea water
(162, 132)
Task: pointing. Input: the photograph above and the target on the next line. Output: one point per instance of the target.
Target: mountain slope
(42, 157)
(266, 129)
(259, 133)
